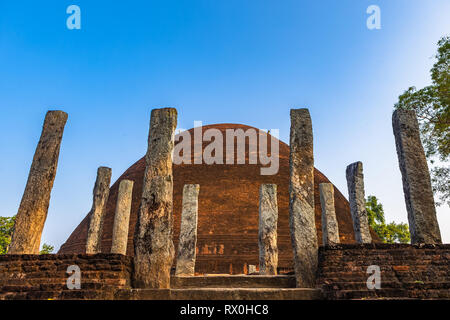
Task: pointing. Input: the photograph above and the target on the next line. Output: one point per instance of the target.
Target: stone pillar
(268, 218)
(330, 229)
(423, 223)
(153, 245)
(97, 214)
(122, 217)
(301, 199)
(33, 208)
(356, 197)
(188, 231)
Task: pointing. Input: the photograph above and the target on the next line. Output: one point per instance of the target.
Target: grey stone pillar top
(188, 231)
(122, 217)
(267, 235)
(33, 208)
(97, 214)
(153, 245)
(330, 229)
(357, 199)
(301, 199)
(417, 189)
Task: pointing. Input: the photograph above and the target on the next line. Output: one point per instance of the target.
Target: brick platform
(417, 272)
(44, 276)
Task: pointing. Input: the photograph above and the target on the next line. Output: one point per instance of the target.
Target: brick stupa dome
(228, 211)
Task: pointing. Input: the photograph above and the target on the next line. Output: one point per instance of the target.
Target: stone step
(220, 294)
(233, 281)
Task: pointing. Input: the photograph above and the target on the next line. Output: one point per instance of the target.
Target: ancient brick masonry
(100, 197)
(33, 208)
(423, 223)
(188, 231)
(153, 244)
(407, 271)
(301, 198)
(44, 276)
(226, 241)
(356, 197)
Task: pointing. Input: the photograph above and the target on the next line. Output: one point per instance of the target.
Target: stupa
(227, 213)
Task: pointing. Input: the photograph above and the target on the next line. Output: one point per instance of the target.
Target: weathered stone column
(301, 199)
(188, 232)
(356, 197)
(122, 217)
(97, 214)
(423, 223)
(153, 245)
(33, 208)
(330, 229)
(268, 219)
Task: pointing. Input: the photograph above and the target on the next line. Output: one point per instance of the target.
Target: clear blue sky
(215, 61)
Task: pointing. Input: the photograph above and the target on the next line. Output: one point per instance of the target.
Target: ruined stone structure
(153, 244)
(408, 271)
(268, 219)
(100, 197)
(227, 234)
(122, 217)
(188, 232)
(423, 223)
(301, 199)
(357, 199)
(33, 208)
(330, 228)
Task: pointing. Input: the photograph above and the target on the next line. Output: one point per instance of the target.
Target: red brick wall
(406, 271)
(44, 276)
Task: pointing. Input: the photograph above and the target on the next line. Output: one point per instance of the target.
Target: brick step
(233, 281)
(389, 285)
(50, 287)
(390, 293)
(104, 294)
(389, 276)
(220, 294)
(61, 282)
(386, 267)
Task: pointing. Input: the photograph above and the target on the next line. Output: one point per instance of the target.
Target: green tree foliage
(388, 233)
(46, 249)
(432, 106)
(6, 231)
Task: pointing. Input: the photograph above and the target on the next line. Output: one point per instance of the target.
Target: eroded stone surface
(423, 223)
(355, 184)
(122, 217)
(153, 245)
(100, 197)
(330, 229)
(33, 208)
(301, 199)
(267, 234)
(188, 232)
